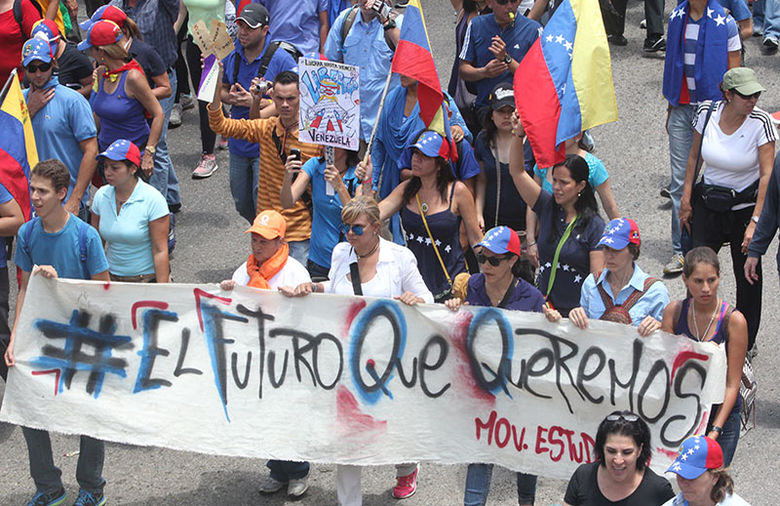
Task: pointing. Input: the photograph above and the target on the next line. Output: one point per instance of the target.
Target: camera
(382, 9)
(263, 86)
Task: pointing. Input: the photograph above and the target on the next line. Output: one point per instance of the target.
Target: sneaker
(675, 265)
(617, 40)
(222, 143)
(666, 192)
(48, 498)
(769, 46)
(206, 167)
(187, 102)
(405, 486)
(752, 352)
(296, 488)
(654, 44)
(269, 485)
(175, 119)
(88, 499)
(643, 24)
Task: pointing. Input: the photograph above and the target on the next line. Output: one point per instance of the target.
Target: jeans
(680, 140)
(5, 331)
(654, 14)
(729, 436)
(299, 250)
(316, 270)
(766, 14)
(89, 470)
(284, 471)
(478, 486)
(615, 19)
(244, 178)
(164, 176)
(713, 229)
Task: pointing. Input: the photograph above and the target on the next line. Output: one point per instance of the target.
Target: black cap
(501, 96)
(254, 15)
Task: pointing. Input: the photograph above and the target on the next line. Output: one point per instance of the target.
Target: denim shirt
(155, 20)
(652, 303)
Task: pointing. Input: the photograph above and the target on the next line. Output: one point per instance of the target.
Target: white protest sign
(330, 103)
(339, 379)
(208, 80)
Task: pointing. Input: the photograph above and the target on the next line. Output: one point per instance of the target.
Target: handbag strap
(354, 273)
(561, 242)
(508, 294)
(498, 186)
(701, 143)
(433, 242)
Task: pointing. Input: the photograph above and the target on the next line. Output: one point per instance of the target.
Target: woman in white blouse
(368, 265)
(737, 147)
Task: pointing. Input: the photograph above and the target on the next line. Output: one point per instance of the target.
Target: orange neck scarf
(260, 274)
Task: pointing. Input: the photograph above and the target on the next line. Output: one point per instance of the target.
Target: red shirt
(12, 39)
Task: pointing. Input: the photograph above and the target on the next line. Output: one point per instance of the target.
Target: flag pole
(7, 85)
(373, 131)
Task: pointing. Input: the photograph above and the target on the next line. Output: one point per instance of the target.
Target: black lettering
(439, 341)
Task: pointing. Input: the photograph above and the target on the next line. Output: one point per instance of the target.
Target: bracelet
(717, 429)
(530, 244)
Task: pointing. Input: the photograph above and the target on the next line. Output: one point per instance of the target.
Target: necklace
(696, 325)
(370, 252)
(424, 207)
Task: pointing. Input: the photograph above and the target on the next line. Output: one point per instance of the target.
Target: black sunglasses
(618, 417)
(494, 261)
(748, 97)
(41, 67)
(503, 2)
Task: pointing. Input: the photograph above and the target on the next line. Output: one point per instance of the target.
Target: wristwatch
(507, 58)
(754, 219)
(151, 149)
(389, 25)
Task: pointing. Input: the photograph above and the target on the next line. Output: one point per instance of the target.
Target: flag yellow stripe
(16, 106)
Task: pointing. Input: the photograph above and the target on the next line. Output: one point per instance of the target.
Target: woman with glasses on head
(735, 141)
(620, 473)
(704, 317)
(367, 265)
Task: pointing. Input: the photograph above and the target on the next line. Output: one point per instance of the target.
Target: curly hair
(618, 423)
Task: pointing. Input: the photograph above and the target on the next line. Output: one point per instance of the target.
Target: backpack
(619, 313)
(19, 15)
(82, 243)
(748, 387)
(396, 11)
(264, 62)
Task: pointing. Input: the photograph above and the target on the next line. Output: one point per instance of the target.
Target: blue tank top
(445, 229)
(121, 117)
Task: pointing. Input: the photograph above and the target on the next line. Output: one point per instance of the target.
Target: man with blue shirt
(302, 24)
(369, 43)
(58, 244)
(251, 59)
(62, 122)
(11, 218)
(493, 47)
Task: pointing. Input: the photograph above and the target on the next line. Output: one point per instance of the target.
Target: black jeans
(712, 229)
(614, 19)
(207, 135)
(654, 16)
(5, 331)
(182, 75)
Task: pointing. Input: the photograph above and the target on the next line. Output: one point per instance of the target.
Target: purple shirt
(523, 298)
(296, 22)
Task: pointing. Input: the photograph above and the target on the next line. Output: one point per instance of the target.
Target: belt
(141, 278)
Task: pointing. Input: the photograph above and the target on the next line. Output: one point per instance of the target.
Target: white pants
(348, 488)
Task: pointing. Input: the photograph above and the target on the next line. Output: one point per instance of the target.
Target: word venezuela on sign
(359, 380)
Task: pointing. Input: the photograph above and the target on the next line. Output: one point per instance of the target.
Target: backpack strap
(266, 60)
(83, 227)
(636, 294)
(676, 316)
(19, 15)
(28, 235)
(348, 22)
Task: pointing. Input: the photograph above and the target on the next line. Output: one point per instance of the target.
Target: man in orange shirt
(277, 136)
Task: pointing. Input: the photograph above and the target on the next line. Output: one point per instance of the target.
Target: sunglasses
(618, 417)
(494, 261)
(503, 2)
(41, 67)
(748, 97)
(356, 229)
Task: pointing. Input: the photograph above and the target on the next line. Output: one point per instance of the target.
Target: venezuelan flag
(17, 146)
(413, 59)
(564, 83)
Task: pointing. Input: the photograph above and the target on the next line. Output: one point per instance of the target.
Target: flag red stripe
(416, 62)
(14, 180)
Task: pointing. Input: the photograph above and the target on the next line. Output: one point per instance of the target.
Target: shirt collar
(636, 282)
(54, 81)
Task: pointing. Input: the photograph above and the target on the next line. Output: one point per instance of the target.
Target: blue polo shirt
(60, 249)
(326, 217)
(524, 297)
(247, 71)
(296, 22)
(60, 126)
(652, 303)
(5, 197)
(128, 242)
(519, 36)
(365, 47)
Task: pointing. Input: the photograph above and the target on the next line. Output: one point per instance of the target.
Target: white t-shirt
(292, 275)
(732, 160)
(729, 500)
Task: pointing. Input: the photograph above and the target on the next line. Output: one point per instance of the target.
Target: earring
(579, 194)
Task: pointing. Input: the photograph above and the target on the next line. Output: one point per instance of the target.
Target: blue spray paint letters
(72, 357)
(478, 369)
(151, 324)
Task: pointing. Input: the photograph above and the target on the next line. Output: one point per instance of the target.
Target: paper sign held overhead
(208, 78)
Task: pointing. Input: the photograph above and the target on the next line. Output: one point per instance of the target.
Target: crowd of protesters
(458, 217)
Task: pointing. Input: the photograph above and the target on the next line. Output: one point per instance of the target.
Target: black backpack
(18, 15)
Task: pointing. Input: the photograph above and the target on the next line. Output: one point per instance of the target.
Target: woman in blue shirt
(331, 186)
(622, 293)
(132, 218)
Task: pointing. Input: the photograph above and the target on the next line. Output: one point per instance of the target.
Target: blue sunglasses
(356, 229)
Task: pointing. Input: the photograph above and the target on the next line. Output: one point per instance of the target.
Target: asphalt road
(211, 244)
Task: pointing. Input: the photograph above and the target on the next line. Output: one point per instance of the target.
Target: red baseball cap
(102, 33)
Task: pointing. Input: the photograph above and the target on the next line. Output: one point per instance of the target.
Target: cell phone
(382, 9)
(295, 154)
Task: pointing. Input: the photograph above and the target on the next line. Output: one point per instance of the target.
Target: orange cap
(269, 224)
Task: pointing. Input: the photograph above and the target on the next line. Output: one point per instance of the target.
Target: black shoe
(769, 46)
(617, 40)
(174, 208)
(665, 192)
(653, 44)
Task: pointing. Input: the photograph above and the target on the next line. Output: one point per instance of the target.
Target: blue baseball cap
(619, 233)
(500, 240)
(697, 455)
(120, 150)
(432, 144)
(36, 49)
(102, 33)
(47, 30)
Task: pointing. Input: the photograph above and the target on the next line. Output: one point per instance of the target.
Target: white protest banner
(339, 379)
(330, 103)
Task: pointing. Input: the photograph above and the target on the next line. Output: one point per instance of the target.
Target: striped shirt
(691, 40)
(262, 131)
